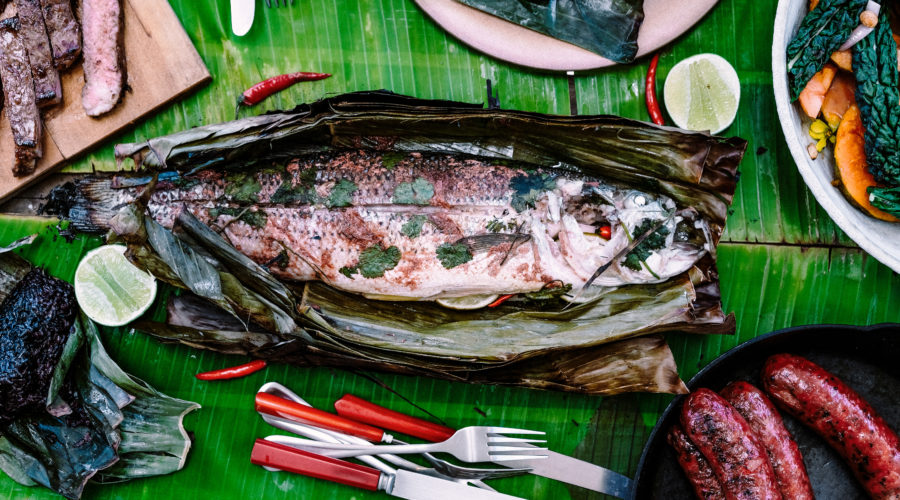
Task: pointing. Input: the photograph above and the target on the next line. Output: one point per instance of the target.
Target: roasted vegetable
(838, 99)
(821, 33)
(851, 167)
(813, 94)
(534, 344)
(878, 95)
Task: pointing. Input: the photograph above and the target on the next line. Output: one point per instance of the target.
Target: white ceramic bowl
(880, 239)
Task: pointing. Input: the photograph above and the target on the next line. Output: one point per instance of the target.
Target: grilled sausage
(701, 476)
(767, 425)
(727, 442)
(844, 419)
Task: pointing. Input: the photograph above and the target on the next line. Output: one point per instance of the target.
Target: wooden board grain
(162, 65)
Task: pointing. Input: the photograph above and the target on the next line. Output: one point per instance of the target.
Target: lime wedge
(702, 93)
(109, 289)
(468, 302)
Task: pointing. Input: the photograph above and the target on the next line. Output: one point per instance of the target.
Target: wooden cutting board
(162, 65)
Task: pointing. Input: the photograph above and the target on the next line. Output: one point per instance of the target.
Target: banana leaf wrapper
(591, 348)
(607, 28)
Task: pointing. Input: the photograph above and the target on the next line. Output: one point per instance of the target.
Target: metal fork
(283, 3)
(469, 444)
(472, 475)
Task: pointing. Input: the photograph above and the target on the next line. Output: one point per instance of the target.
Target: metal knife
(402, 484)
(241, 16)
(557, 466)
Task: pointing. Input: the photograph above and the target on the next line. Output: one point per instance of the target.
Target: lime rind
(469, 302)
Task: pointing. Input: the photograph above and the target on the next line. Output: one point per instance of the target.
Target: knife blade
(556, 466)
(241, 16)
(402, 484)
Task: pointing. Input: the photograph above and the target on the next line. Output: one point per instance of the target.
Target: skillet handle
(286, 458)
(361, 410)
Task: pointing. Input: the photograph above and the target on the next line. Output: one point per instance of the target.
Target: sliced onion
(862, 30)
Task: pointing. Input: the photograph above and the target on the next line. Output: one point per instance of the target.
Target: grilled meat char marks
(47, 87)
(768, 426)
(837, 413)
(63, 31)
(35, 320)
(726, 440)
(102, 24)
(20, 102)
(699, 473)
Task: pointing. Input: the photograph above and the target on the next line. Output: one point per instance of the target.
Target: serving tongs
(330, 431)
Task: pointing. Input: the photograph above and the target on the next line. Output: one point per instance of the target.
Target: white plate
(881, 239)
(664, 21)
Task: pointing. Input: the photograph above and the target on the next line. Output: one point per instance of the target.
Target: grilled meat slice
(102, 24)
(47, 88)
(21, 104)
(64, 32)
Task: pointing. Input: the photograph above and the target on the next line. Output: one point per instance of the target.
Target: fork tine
(507, 458)
(505, 440)
(509, 430)
(518, 449)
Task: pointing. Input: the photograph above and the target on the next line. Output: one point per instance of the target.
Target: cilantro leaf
(374, 262)
(452, 255)
(655, 241)
(340, 193)
(418, 192)
(413, 228)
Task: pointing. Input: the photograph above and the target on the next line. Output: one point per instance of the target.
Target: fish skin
(289, 211)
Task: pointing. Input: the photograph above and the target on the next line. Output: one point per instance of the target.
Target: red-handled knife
(271, 404)
(403, 484)
(557, 466)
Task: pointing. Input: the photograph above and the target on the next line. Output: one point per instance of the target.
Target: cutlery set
(356, 431)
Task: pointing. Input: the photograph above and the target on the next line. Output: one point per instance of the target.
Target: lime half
(109, 289)
(702, 93)
(468, 302)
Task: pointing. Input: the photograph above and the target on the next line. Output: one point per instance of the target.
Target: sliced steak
(18, 90)
(47, 88)
(102, 24)
(64, 32)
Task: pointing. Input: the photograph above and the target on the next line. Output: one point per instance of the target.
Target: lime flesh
(469, 302)
(110, 289)
(702, 93)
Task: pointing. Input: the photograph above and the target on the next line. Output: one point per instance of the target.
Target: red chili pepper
(234, 371)
(650, 93)
(502, 299)
(605, 232)
(255, 94)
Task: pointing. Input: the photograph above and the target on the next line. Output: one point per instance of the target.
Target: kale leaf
(822, 32)
(878, 96)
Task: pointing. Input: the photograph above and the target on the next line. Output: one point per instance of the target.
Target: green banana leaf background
(782, 261)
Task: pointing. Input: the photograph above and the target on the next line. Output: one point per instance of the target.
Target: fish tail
(89, 203)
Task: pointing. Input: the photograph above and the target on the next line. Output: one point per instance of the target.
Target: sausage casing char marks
(728, 443)
(18, 90)
(63, 31)
(837, 413)
(768, 426)
(33, 32)
(699, 473)
(102, 25)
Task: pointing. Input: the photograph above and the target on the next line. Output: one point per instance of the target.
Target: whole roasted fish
(421, 226)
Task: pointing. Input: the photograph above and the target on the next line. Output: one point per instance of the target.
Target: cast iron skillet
(866, 358)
